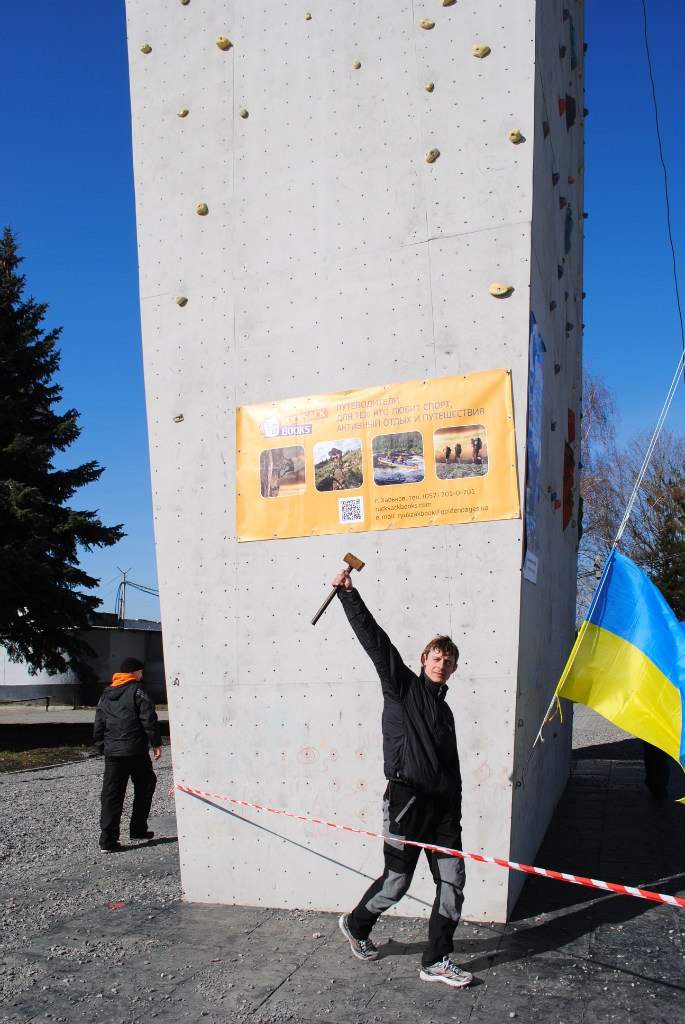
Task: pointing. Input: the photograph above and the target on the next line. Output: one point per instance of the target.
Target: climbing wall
(332, 198)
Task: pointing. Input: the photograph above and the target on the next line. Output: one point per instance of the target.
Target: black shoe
(145, 838)
(363, 949)
(111, 849)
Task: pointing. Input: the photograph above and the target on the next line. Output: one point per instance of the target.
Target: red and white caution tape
(561, 876)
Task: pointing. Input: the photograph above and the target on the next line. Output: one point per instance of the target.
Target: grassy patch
(20, 760)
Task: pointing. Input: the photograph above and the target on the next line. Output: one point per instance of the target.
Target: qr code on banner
(351, 510)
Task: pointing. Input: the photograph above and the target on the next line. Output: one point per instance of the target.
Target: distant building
(111, 641)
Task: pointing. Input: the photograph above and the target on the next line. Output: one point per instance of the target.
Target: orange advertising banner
(425, 453)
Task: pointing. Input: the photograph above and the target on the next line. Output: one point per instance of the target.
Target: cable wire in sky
(663, 164)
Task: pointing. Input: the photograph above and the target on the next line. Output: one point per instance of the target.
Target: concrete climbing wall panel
(324, 204)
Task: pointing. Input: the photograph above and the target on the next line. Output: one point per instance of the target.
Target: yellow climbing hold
(480, 51)
(307, 16)
(429, 86)
(146, 48)
(183, 113)
(515, 136)
(427, 23)
(448, 3)
(223, 43)
(185, 2)
(202, 209)
(243, 112)
(357, 64)
(500, 290)
(181, 300)
(432, 155)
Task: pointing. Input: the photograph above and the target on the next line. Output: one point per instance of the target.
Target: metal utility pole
(122, 596)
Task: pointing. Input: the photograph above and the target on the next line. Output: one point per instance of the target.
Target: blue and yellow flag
(628, 662)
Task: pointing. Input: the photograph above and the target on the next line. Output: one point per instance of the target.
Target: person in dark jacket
(422, 800)
(125, 724)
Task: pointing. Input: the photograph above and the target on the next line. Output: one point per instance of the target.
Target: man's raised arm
(393, 673)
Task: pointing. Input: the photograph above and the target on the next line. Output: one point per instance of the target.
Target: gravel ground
(51, 867)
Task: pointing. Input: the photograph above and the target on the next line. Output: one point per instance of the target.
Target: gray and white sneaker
(363, 949)
(448, 972)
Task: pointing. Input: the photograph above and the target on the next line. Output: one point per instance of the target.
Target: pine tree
(43, 599)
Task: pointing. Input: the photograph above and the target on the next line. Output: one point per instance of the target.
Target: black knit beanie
(131, 665)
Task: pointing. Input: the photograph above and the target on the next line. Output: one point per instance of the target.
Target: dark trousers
(408, 814)
(118, 770)
(657, 769)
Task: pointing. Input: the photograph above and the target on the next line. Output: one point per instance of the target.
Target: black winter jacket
(419, 741)
(126, 721)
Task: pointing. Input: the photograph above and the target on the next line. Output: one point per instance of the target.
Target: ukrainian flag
(628, 662)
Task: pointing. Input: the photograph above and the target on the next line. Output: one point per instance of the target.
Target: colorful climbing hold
(223, 43)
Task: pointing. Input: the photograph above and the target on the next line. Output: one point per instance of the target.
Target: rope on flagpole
(650, 450)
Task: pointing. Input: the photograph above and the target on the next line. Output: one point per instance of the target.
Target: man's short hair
(445, 645)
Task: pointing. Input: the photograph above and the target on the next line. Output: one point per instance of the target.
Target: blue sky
(66, 189)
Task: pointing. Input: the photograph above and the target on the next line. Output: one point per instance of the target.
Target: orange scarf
(119, 678)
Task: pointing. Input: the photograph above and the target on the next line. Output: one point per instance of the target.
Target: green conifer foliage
(43, 592)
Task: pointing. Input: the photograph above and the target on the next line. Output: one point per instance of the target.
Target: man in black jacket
(125, 723)
(422, 801)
